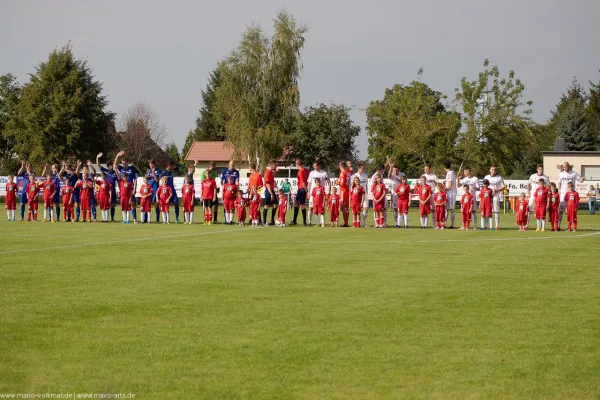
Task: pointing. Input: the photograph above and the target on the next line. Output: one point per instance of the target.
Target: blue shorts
(24, 196)
(75, 197)
(93, 203)
(133, 200)
(154, 190)
(57, 198)
(113, 197)
(269, 201)
(301, 197)
(174, 199)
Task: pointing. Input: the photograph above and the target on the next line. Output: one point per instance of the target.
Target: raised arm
(116, 162)
(22, 168)
(91, 166)
(79, 164)
(44, 170)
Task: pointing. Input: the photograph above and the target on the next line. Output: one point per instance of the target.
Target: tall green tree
(61, 113)
(412, 125)
(569, 120)
(497, 126)
(592, 112)
(10, 93)
(257, 100)
(207, 125)
(325, 132)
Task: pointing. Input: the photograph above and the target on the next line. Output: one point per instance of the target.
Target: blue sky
(162, 52)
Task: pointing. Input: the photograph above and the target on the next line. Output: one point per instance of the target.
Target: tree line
(252, 101)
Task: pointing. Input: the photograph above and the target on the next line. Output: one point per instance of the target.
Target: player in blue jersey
(153, 176)
(24, 173)
(168, 174)
(55, 176)
(131, 172)
(111, 177)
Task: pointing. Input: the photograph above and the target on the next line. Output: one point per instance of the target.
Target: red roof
(210, 151)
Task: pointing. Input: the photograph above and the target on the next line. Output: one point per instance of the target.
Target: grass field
(223, 312)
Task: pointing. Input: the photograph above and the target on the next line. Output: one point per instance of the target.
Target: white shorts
(475, 203)
(531, 202)
(394, 202)
(562, 206)
(366, 202)
(310, 202)
(450, 201)
(496, 204)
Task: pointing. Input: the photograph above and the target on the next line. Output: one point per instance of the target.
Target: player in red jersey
(240, 208)
(86, 188)
(572, 198)
(553, 207)
(145, 200)
(357, 197)
(424, 191)
(378, 190)
(344, 184)
(485, 203)
(523, 213)
(281, 209)
(440, 199)
(318, 196)
(403, 194)
(10, 202)
(66, 193)
(209, 196)
(125, 193)
(33, 190)
(188, 193)
(229, 191)
(48, 192)
(334, 207)
(466, 208)
(165, 194)
(104, 197)
(255, 202)
(541, 205)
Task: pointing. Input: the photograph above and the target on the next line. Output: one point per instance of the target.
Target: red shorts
(11, 204)
(104, 203)
(68, 207)
(318, 210)
(440, 213)
(164, 206)
(32, 204)
(334, 215)
(403, 206)
(424, 209)
(188, 206)
(571, 215)
(344, 197)
(379, 207)
(85, 203)
(540, 213)
(466, 217)
(552, 215)
(228, 205)
(281, 214)
(125, 204)
(522, 218)
(356, 208)
(145, 204)
(241, 212)
(254, 212)
(485, 210)
(48, 202)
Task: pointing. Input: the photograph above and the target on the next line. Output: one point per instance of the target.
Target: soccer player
(126, 189)
(104, 195)
(379, 171)
(270, 196)
(567, 175)
(209, 196)
(553, 206)
(364, 182)
(344, 182)
(541, 204)
(212, 173)
(431, 179)
(300, 202)
(255, 180)
(572, 198)
(357, 198)
(466, 206)
(130, 171)
(240, 208)
(91, 174)
(496, 183)
(522, 213)
(425, 195)
(66, 192)
(378, 190)
(165, 194)
(473, 183)
(281, 209)
(440, 200)
(168, 173)
(334, 207)
(395, 176)
(55, 177)
(230, 171)
(191, 171)
(450, 192)
(147, 195)
(316, 174)
(402, 195)
(229, 190)
(10, 202)
(111, 177)
(48, 192)
(318, 200)
(24, 173)
(532, 186)
(255, 202)
(485, 203)
(32, 190)
(153, 175)
(86, 187)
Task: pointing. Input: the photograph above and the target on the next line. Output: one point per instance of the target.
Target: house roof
(210, 151)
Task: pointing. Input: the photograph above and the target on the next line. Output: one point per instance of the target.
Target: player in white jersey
(364, 182)
(394, 175)
(566, 175)
(473, 183)
(532, 186)
(450, 183)
(432, 181)
(316, 173)
(497, 185)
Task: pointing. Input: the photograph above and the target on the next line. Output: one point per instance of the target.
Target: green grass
(224, 312)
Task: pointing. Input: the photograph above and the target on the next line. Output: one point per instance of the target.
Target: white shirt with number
(496, 183)
(451, 178)
(563, 179)
(473, 183)
(534, 181)
(313, 175)
(432, 181)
